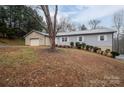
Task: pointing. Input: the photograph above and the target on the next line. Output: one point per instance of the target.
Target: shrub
(90, 48)
(107, 50)
(99, 51)
(102, 52)
(56, 45)
(59, 45)
(99, 48)
(109, 54)
(114, 54)
(87, 47)
(65, 46)
(68, 46)
(83, 45)
(95, 49)
(72, 44)
(78, 45)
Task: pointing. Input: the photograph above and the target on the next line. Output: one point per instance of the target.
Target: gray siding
(93, 40)
(88, 39)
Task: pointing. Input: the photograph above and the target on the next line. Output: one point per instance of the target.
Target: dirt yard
(37, 66)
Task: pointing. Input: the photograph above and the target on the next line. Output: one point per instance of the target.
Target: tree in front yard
(51, 24)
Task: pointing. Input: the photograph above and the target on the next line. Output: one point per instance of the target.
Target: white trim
(61, 39)
(98, 38)
(105, 38)
(64, 39)
(78, 38)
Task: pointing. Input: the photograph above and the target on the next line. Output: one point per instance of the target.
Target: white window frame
(105, 38)
(79, 37)
(63, 39)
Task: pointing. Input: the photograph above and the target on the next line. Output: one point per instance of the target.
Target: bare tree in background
(94, 23)
(121, 43)
(118, 19)
(65, 25)
(51, 26)
(82, 27)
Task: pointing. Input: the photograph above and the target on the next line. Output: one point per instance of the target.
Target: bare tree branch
(93, 23)
(55, 15)
(65, 25)
(118, 19)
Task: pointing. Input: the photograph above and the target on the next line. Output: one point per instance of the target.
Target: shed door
(35, 42)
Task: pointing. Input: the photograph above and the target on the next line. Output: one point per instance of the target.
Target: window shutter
(98, 38)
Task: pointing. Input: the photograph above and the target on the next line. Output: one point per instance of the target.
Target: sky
(82, 14)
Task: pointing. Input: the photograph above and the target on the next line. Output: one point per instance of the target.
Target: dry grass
(11, 42)
(36, 66)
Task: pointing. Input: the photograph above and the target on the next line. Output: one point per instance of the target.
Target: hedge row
(90, 48)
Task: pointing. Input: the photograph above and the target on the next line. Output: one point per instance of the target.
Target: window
(64, 39)
(102, 38)
(80, 38)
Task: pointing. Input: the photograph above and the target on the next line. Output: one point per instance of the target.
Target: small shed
(36, 38)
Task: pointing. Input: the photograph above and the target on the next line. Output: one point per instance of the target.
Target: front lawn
(37, 66)
(12, 42)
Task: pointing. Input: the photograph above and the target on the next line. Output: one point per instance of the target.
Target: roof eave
(88, 33)
(36, 32)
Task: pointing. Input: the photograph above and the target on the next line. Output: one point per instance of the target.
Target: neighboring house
(102, 38)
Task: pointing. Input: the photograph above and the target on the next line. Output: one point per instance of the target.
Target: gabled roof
(85, 32)
(42, 33)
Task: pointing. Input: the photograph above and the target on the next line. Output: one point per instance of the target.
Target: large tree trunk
(51, 26)
(53, 46)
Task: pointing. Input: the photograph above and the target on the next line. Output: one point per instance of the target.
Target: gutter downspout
(112, 41)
